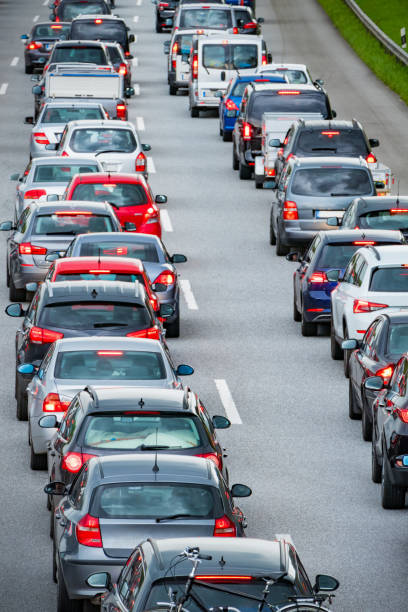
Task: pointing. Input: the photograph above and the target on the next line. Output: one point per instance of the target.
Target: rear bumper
(76, 570)
(398, 475)
(23, 274)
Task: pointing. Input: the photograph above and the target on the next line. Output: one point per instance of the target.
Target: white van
(214, 60)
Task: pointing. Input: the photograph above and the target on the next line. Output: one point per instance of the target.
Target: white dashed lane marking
(136, 87)
(140, 124)
(136, 18)
(228, 401)
(151, 168)
(14, 61)
(188, 294)
(3, 88)
(36, 18)
(165, 221)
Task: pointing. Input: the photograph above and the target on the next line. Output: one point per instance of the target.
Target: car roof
(396, 317)
(283, 65)
(106, 123)
(387, 255)
(331, 124)
(85, 264)
(62, 161)
(109, 342)
(140, 398)
(227, 37)
(349, 235)
(71, 291)
(77, 104)
(329, 162)
(120, 237)
(52, 23)
(72, 205)
(305, 88)
(109, 177)
(256, 77)
(382, 203)
(87, 43)
(96, 16)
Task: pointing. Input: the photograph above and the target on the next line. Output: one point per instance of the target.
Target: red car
(103, 268)
(129, 194)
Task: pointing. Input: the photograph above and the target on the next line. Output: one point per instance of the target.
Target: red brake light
(246, 131)
(121, 111)
(330, 134)
(270, 171)
(34, 45)
(34, 194)
(402, 414)
(41, 138)
(224, 528)
(288, 92)
(371, 159)
(213, 457)
(88, 532)
(230, 104)
(122, 70)
(26, 248)
(56, 27)
(264, 59)
(360, 306)
(153, 333)
(64, 154)
(109, 353)
(194, 68)
(98, 21)
(290, 211)
(52, 403)
(249, 26)
(72, 462)
(38, 335)
(395, 211)
(174, 55)
(222, 578)
(386, 373)
(235, 30)
(166, 278)
(140, 165)
(72, 213)
(364, 242)
(318, 277)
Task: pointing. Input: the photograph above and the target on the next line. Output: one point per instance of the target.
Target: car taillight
(153, 333)
(290, 211)
(163, 5)
(402, 414)
(57, 19)
(38, 335)
(364, 306)
(140, 165)
(264, 60)
(154, 303)
(214, 458)
(270, 171)
(174, 55)
(246, 131)
(72, 462)
(123, 69)
(152, 214)
(121, 111)
(235, 30)
(52, 403)
(34, 194)
(64, 154)
(230, 104)
(386, 373)
(250, 26)
(26, 248)
(224, 528)
(288, 92)
(194, 67)
(88, 532)
(371, 159)
(34, 45)
(318, 277)
(41, 138)
(364, 242)
(166, 278)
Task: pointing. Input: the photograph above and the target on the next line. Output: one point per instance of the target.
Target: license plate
(48, 46)
(325, 214)
(111, 167)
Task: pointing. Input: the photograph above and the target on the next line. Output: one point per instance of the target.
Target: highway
(291, 440)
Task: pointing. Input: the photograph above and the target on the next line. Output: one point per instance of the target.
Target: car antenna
(155, 467)
(398, 188)
(222, 561)
(99, 257)
(141, 404)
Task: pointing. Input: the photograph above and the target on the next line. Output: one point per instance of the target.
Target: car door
(60, 444)
(399, 392)
(344, 292)
(301, 273)
(131, 579)
(280, 195)
(37, 389)
(366, 359)
(23, 333)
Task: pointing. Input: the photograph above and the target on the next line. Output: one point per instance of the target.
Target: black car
(67, 10)
(260, 98)
(39, 43)
(386, 212)
(108, 29)
(319, 270)
(390, 435)
(80, 308)
(316, 138)
(164, 13)
(375, 355)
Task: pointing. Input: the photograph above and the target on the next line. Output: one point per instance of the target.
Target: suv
(328, 138)
(79, 52)
(260, 98)
(39, 43)
(223, 17)
(310, 190)
(108, 28)
(388, 212)
(67, 10)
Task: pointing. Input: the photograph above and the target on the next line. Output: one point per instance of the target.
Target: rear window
(110, 365)
(63, 115)
(108, 30)
(119, 194)
(92, 55)
(108, 276)
(145, 252)
(298, 103)
(155, 500)
(228, 57)
(67, 223)
(297, 77)
(184, 42)
(95, 316)
(205, 18)
(331, 142)
(53, 31)
(102, 139)
(384, 219)
(336, 255)
(331, 181)
(145, 433)
(392, 280)
(61, 174)
(398, 339)
(73, 9)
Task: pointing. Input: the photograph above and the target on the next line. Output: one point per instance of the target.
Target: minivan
(107, 28)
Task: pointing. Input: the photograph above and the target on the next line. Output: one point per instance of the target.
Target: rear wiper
(152, 447)
(324, 149)
(176, 516)
(69, 233)
(109, 151)
(110, 324)
(341, 194)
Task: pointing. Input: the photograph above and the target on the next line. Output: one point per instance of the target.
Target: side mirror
(52, 146)
(146, 147)
(52, 197)
(52, 256)
(130, 56)
(29, 120)
(49, 421)
(178, 258)
(102, 580)
(349, 345)
(240, 490)
(293, 256)
(15, 310)
(130, 227)
(56, 487)
(260, 20)
(31, 287)
(374, 142)
(325, 583)
(15, 176)
(318, 82)
(24, 37)
(334, 114)
(37, 90)
(160, 199)
(6, 226)
(166, 311)
(222, 75)
(184, 370)
(220, 422)
(333, 275)
(332, 222)
(159, 287)
(27, 368)
(379, 184)
(275, 142)
(166, 47)
(131, 38)
(129, 92)
(374, 383)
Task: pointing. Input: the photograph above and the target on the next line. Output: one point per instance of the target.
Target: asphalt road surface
(291, 441)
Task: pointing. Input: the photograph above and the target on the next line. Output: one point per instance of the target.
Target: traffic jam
(143, 513)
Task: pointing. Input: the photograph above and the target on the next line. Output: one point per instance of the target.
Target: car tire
(172, 90)
(52, 522)
(392, 497)
(48, 503)
(281, 249)
(159, 29)
(194, 112)
(16, 295)
(28, 69)
(354, 412)
(307, 328)
(335, 350)
(173, 329)
(54, 562)
(375, 465)
(245, 173)
(21, 401)
(235, 160)
(366, 424)
(37, 461)
(64, 603)
(226, 136)
(272, 236)
(296, 314)
(7, 276)
(346, 355)
(258, 184)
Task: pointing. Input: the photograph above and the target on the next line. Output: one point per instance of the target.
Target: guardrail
(385, 40)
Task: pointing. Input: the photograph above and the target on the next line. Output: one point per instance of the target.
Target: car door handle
(52, 453)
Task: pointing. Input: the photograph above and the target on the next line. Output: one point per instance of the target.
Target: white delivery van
(214, 60)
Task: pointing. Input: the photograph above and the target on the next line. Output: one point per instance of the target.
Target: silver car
(46, 176)
(73, 363)
(53, 118)
(115, 144)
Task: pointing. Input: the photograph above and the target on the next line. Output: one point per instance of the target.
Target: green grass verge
(389, 15)
(384, 65)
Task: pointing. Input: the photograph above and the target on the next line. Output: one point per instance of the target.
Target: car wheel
(375, 465)
(173, 329)
(64, 603)
(172, 90)
(158, 28)
(16, 295)
(272, 236)
(335, 350)
(307, 328)
(235, 160)
(37, 461)
(7, 276)
(21, 400)
(258, 184)
(346, 354)
(226, 136)
(366, 424)
(28, 69)
(54, 562)
(281, 249)
(296, 314)
(354, 412)
(221, 131)
(52, 521)
(392, 497)
(48, 504)
(194, 112)
(245, 173)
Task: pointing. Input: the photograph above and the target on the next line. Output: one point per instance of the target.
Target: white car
(295, 73)
(375, 280)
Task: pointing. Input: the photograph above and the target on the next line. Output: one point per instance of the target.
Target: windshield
(391, 280)
(134, 432)
(336, 255)
(95, 316)
(205, 18)
(53, 31)
(331, 142)
(107, 30)
(63, 115)
(227, 57)
(119, 194)
(71, 223)
(293, 76)
(154, 500)
(384, 219)
(58, 173)
(331, 181)
(277, 103)
(71, 10)
(135, 250)
(108, 364)
(92, 55)
(92, 140)
(398, 339)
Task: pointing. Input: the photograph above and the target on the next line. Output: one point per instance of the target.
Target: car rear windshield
(145, 433)
(331, 181)
(107, 276)
(215, 19)
(90, 140)
(397, 339)
(297, 77)
(53, 31)
(135, 250)
(118, 194)
(229, 57)
(95, 316)
(155, 500)
(73, 9)
(184, 42)
(390, 279)
(336, 255)
(331, 142)
(79, 54)
(106, 364)
(71, 223)
(72, 113)
(384, 219)
(274, 102)
(61, 174)
(108, 30)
